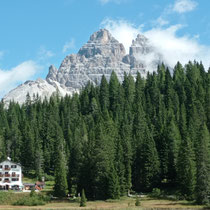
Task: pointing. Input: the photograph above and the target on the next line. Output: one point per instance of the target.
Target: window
(0, 166)
(15, 179)
(0, 179)
(6, 166)
(6, 172)
(13, 166)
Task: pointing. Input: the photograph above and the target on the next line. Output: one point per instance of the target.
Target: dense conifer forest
(113, 138)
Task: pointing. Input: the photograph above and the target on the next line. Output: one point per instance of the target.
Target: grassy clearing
(125, 203)
(29, 180)
(122, 204)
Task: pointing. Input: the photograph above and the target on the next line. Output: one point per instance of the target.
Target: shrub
(32, 193)
(137, 203)
(156, 193)
(29, 201)
(32, 200)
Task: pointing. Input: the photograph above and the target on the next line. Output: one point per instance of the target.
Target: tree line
(136, 135)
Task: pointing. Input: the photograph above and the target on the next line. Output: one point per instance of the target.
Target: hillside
(118, 137)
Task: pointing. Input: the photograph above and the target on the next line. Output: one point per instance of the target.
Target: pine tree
(104, 93)
(60, 186)
(2, 149)
(113, 190)
(113, 92)
(28, 148)
(147, 165)
(186, 169)
(173, 140)
(203, 167)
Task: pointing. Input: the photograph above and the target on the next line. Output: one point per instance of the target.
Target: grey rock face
(101, 55)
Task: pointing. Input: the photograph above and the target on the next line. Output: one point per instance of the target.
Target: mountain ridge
(101, 55)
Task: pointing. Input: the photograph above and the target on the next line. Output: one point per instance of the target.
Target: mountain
(99, 56)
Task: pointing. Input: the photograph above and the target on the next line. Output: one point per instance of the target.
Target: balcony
(6, 181)
(7, 169)
(7, 175)
(15, 175)
(1, 175)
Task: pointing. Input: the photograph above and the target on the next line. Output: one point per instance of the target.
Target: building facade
(10, 175)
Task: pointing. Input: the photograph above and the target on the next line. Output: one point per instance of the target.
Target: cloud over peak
(172, 47)
(122, 30)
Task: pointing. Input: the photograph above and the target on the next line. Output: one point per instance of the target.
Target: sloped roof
(10, 162)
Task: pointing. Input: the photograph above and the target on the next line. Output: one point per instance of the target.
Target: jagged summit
(140, 45)
(102, 36)
(102, 43)
(52, 73)
(101, 55)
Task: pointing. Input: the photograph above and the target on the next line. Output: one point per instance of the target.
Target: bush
(137, 203)
(32, 200)
(32, 193)
(156, 193)
(29, 201)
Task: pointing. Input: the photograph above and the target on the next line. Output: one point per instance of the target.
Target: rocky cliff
(99, 56)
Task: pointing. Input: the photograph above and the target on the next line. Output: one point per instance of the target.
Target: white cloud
(172, 47)
(44, 54)
(182, 6)
(122, 30)
(175, 48)
(68, 45)
(9, 79)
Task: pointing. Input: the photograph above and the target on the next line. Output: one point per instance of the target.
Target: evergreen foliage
(113, 138)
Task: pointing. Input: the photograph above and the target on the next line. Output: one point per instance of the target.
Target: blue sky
(37, 33)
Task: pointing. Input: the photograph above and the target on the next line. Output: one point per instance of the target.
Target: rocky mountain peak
(101, 55)
(140, 45)
(102, 43)
(140, 40)
(52, 73)
(102, 36)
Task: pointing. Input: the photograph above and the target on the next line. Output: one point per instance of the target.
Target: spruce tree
(173, 140)
(113, 190)
(147, 165)
(186, 169)
(113, 92)
(104, 94)
(203, 167)
(2, 149)
(60, 186)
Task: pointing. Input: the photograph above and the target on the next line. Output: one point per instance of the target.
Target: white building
(10, 175)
